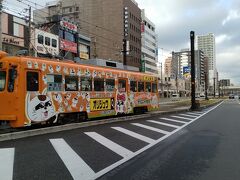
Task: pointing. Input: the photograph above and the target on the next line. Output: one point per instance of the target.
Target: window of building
(54, 82)
(54, 43)
(86, 84)
(154, 87)
(148, 87)
(32, 81)
(140, 86)
(70, 9)
(69, 36)
(133, 86)
(71, 83)
(47, 41)
(2, 80)
(110, 84)
(40, 39)
(98, 84)
(77, 8)
(122, 85)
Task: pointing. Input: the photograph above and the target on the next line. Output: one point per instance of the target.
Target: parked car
(231, 96)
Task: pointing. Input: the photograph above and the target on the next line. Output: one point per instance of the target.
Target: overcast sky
(174, 19)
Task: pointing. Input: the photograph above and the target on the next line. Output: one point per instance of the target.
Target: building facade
(181, 68)
(206, 43)
(168, 67)
(15, 34)
(104, 22)
(149, 46)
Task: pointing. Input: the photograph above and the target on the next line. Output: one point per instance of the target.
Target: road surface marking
(194, 113)
(165, 124)
(135, 135)
(6, 163)
(118, 163)
(150, 128)
(110, 144)
(173, 120)
(74, 163)
(191, 116)
(180, 117)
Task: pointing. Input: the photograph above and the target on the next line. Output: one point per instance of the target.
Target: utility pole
(214, 87)
(206, 86)
(161, 78)
(192, 38)
(29, 31)
(1, 24)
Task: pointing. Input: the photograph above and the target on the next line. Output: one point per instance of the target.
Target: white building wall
(149, 44)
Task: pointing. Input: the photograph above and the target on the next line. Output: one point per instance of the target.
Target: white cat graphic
(39, 108)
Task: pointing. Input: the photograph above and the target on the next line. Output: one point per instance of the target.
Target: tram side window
(86, 84)
(154, 87)
(133, 86)
(98, 84)
(54, 82)
(71, 83)
(122, 85)
(140, 86)
(2, 80)
(40, 39)
(148, 86)
(32, 81)
(110, 84)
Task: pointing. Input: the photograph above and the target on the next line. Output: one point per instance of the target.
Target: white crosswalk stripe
(135, 135)
(6, 163)
(197, 114)
(165, 124)
(74, 163)
(173, 120)
(110, 144)
(150, 128)
(192, 116)
(180, 117)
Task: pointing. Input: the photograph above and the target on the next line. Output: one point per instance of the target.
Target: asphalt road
(207, 149)
(190, 145)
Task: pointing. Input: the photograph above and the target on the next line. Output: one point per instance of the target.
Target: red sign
(68, 46)
(142, 27)
(68, 25)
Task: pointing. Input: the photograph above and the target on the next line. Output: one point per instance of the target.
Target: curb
(54, 129)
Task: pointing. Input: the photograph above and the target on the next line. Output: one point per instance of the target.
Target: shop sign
(100, 104)
(12, 40)
(68, 46)
(68, 25)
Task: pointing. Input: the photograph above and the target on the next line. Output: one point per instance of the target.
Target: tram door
(121, 99)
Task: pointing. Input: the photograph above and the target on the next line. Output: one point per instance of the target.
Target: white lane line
(6, 163)
(135, 135)
(197, 114)
(165, 124)
(110, 144)
(173, 120)
(150, 128)
(118, 163)
(191, 116)
(180, 117)
(74, 163)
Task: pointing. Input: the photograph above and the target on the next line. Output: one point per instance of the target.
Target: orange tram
(39, 91)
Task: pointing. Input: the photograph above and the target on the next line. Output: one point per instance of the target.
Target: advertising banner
(100, 104)
(68, 46)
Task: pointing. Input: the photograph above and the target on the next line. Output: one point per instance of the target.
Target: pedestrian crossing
(76, 163)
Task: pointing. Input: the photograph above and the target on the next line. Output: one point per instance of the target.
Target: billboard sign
(186, 72)
(68, 46)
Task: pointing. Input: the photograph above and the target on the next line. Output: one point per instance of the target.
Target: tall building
(168, 67)
(181, 65)
(106, 22)
(206, 43)
(149, 45)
